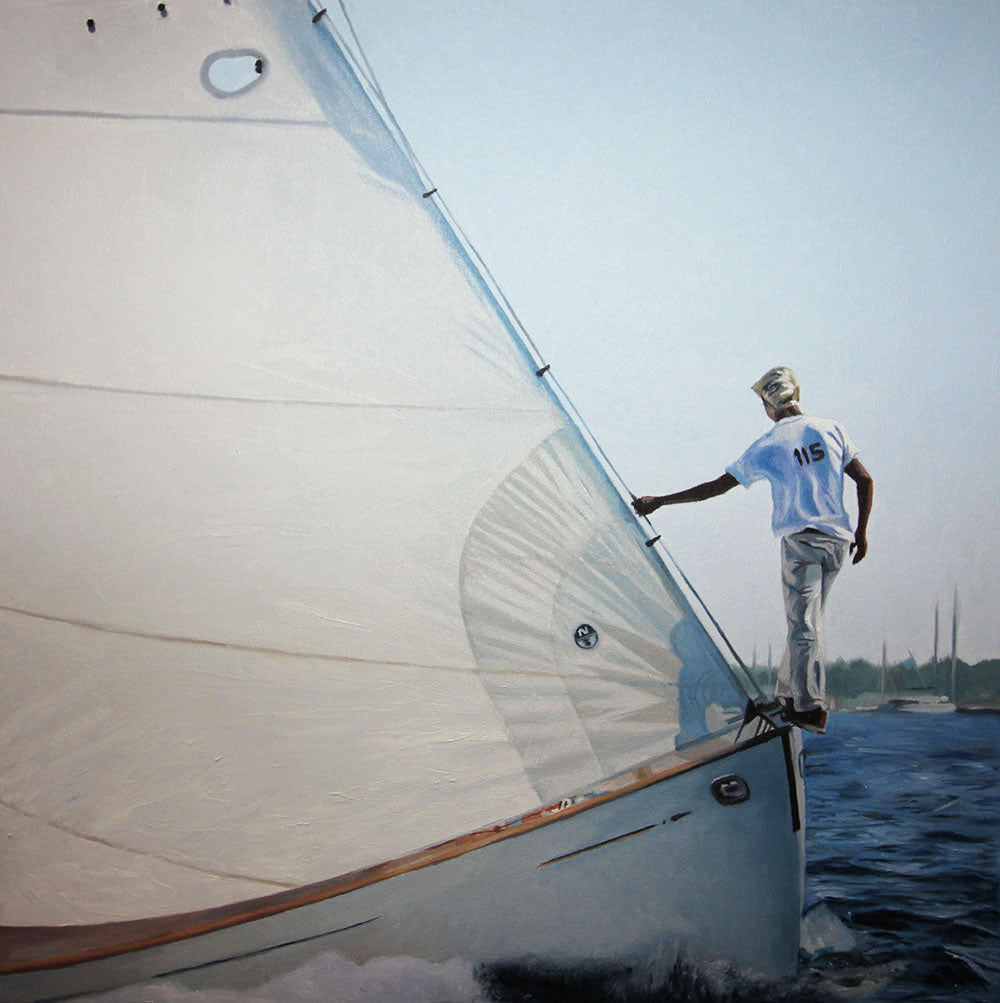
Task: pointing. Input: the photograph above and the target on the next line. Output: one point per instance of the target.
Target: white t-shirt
(803, 458)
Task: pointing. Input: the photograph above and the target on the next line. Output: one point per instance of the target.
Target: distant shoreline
(861, 685)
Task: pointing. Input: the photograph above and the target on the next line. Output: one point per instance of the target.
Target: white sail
(296, 544)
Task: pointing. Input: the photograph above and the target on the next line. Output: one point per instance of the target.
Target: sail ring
(585, 636)
(232, 72)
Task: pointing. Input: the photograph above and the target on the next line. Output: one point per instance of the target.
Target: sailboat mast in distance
(936, 631)
(954, 647)
(885, 666)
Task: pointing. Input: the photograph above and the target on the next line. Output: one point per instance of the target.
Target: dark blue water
(903, 845)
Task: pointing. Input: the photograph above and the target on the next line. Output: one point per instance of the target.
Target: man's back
(803, 458)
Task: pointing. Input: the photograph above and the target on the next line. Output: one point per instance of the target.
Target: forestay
(304, 566)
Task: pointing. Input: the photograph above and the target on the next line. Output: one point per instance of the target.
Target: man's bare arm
(700, 492)
(856, 471)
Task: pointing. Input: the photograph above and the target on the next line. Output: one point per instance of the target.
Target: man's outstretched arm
(700, 492)
(856, 471)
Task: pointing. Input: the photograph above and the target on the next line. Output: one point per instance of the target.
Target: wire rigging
(367, 73)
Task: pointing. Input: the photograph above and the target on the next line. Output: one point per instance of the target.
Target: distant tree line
(975, 685)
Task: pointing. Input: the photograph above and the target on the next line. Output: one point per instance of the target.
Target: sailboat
(325, 625)
(923, 700)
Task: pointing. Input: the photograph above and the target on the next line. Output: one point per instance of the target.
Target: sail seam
(154, 117)
(262, 649)
(236, 399)
(90, 838)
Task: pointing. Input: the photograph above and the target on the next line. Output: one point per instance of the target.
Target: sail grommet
(585, 636)
(162, 8)
(232, 72)
(730, 789)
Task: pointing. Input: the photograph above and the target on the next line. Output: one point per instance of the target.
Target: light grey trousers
(809, 564)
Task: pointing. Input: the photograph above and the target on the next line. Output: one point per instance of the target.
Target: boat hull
(659, 867)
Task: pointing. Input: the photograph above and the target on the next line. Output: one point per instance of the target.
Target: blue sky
(677, 196)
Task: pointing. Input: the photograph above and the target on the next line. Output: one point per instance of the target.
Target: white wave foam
(329, 978)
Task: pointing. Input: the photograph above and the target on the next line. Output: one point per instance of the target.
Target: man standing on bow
(804, 459)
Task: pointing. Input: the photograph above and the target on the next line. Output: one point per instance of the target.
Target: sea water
(903, 845)
(903, 893)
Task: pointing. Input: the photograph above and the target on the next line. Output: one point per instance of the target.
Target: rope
(361, 62)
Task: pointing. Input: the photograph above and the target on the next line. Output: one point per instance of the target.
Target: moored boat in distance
(922, 703)
(323, 625)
